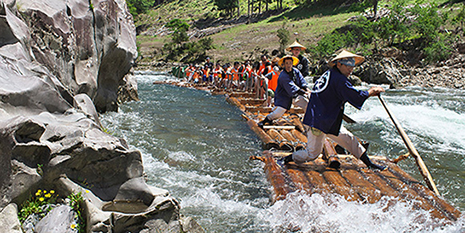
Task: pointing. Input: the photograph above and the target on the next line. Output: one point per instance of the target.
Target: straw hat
(295, 60)
(294, 45)
(346, 54)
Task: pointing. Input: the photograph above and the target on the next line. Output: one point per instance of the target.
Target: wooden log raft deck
(353, 180)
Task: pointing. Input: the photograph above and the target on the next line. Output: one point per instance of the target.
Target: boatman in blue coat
(326, 108)
(292, 89)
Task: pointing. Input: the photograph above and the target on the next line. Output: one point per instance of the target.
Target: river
(197, 146)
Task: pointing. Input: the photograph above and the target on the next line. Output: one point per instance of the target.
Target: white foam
(332, 213)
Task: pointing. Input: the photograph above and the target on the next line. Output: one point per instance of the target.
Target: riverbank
(385, 70)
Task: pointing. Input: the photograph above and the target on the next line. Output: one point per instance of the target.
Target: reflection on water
(197, 146)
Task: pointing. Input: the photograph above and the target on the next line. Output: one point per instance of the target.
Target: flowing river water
(197, 146)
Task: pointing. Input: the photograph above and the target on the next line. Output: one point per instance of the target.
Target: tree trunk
(238, 9)
(248, 8)
(375, 7)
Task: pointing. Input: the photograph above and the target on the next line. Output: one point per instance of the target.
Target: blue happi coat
(289, 86)
(326, 106)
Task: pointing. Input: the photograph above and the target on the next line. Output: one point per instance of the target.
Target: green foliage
(227, 6)
(460, 17)
(179, 45)
(35, 202)
(439, 50)
(427, 21)
(137, 7)
(180, 28)
(77, 202)
(283, 35)
(196, 51)
(418, 24)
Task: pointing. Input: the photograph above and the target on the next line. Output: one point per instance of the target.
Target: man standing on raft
(326, 108)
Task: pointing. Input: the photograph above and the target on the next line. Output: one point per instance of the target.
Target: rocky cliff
(61, 62)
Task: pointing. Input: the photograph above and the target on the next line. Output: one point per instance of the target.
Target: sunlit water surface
(197, 146)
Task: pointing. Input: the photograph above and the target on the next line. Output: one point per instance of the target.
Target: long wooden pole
(421, 165)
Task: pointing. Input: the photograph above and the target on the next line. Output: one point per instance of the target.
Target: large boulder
(61, 62)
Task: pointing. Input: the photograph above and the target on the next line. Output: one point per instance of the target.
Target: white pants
(316, 141)
(278, 111)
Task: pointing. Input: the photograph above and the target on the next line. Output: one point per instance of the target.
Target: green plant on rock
(77, 204)
(35, 202)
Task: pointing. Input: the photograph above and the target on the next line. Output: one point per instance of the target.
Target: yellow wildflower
(87, 191)
(41, 199)
(45, 191)
(48, 195)
(37, 194)
(52, 191)
(73, 226)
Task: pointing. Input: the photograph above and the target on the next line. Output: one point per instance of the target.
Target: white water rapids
(197, 146)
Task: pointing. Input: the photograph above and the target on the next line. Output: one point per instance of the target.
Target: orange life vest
(273, 83)
(217, 72)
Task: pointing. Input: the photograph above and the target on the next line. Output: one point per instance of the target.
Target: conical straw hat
(295, 44)
(295, 60)
(346, 54)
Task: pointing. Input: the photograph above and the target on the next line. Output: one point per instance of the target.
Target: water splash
(301, 212)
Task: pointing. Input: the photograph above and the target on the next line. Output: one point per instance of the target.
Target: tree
(283, 35)
(140, 6)
(227, 6)
(180, 28)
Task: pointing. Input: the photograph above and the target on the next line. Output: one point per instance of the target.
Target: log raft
(352, 180)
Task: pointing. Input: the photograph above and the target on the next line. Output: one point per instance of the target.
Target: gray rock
(62, 62)
(9, 219)
(59, 219)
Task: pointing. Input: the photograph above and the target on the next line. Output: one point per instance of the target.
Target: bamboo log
(283, 143)
(286, 127)
(284, 122)
(275, 175)
(268, 142)
(451, 212)
(299, 136)
(364, 188)
(317, 181)
(242, 94)
(330, 155)
(421, 165)
(403, 188)
(295, 119)
(251, 101)
(234, 101)
(340, 185)
(299, 180)
(296, 111)
(258, 109)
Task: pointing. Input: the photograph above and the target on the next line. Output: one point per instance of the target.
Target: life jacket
(269, 70)
(248, 70)
(217, 72)
(206, 71)
(196, 75)
(262, 67)
(237, 74)
(273, 83)
(188, 71)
